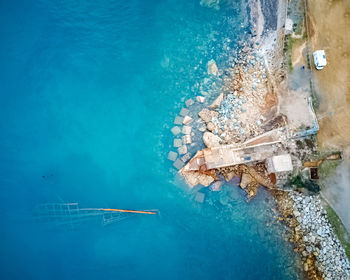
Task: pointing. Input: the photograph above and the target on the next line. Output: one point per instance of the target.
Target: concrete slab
(178, 164)
(175, 130)
(182, 150)
(177, 143)
(178, 120)
(184, 112)
(172, 156)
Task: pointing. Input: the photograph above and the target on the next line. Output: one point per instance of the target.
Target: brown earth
(329, 26)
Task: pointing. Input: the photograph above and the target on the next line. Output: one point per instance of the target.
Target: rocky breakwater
(243, 108)
(322, 254)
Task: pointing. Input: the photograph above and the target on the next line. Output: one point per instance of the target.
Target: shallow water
(88, 96)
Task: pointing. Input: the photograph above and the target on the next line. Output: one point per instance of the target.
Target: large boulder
(246, 180)
(211, 140)
(206, 115)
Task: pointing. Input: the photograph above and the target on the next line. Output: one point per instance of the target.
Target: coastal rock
(211, 140)
(206, 115)
(212, 68)
(200, 99)
(175, 130)
(246, 180)
(172, 156)
(211, 127)
(187, 120)
(217, 102)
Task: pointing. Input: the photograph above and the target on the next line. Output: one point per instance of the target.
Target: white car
(320, 59)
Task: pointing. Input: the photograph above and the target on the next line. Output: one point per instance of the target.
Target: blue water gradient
(89, 91)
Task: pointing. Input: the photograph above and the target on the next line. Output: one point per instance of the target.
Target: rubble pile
(322, 255)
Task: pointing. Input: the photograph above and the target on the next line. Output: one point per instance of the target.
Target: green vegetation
(298, 182)
(288, 48)
(339, 229)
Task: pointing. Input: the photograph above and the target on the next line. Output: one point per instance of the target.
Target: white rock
(187, 120)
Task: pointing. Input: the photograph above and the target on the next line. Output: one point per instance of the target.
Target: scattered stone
(202, 128)
(182, 150)
(178, 164)
(187, 120)
(186, 129)
(200, 99)
(184, 112)
(211, 140)
(189, 102)
(177, 143)
(217, 101)
(172, 156)
(178, 120)
(175, 130)
(212, 68)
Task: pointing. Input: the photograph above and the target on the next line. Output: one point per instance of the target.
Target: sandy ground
(329, 26)
(331, 32)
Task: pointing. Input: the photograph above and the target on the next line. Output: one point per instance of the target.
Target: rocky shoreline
(322, 254)
(236, 114)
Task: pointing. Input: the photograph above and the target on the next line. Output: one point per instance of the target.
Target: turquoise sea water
(89, 91)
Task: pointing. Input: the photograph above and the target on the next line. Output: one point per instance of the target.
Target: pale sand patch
(297, 53)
